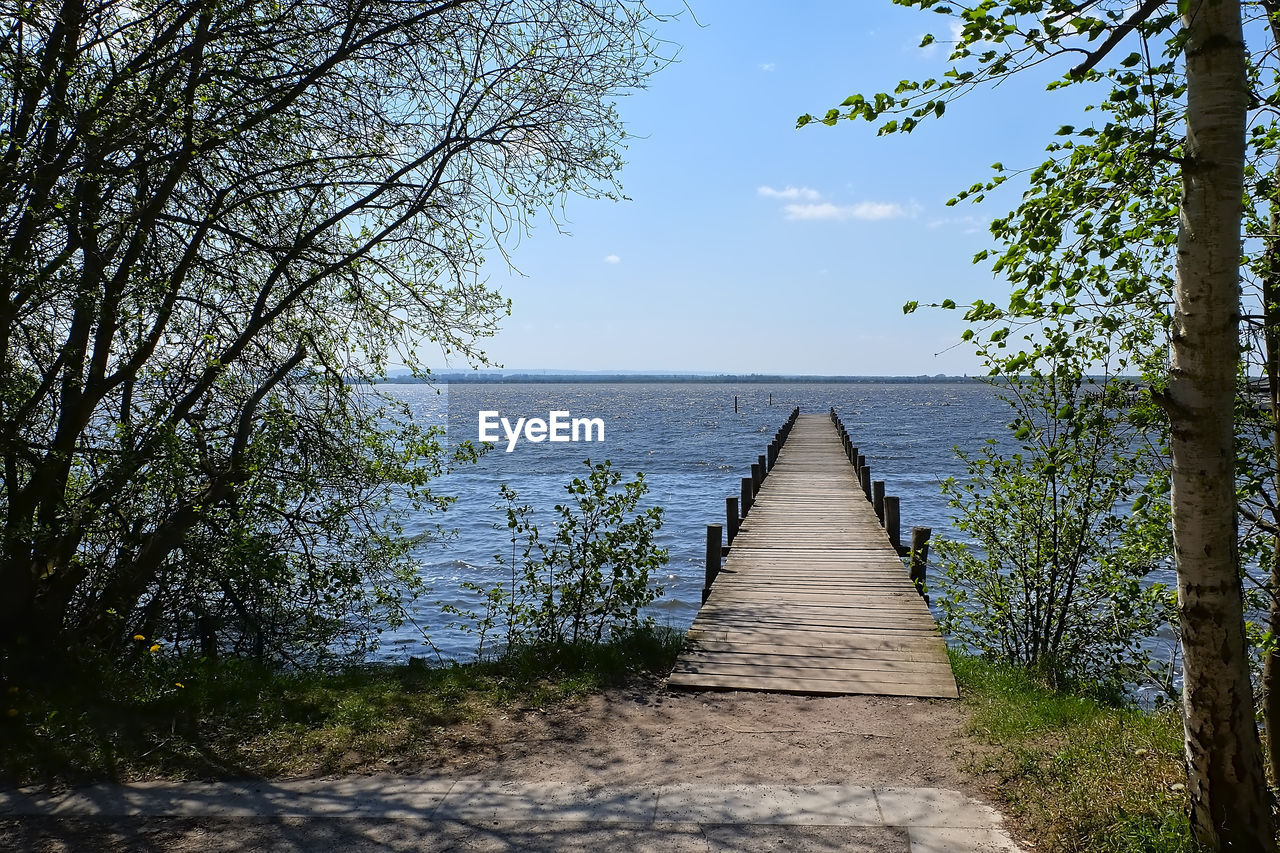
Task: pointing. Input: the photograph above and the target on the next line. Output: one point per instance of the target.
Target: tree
(1205, 62)
(213, 216)
(1055, 583)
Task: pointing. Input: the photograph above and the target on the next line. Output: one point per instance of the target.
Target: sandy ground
(645, 734)
(639, 735)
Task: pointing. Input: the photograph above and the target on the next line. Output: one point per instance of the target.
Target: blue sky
(751, 247)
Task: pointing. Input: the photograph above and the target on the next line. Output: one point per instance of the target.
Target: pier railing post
(763, 459)
(919, 557)
(864, 473)
(713, 559)
(877, 499)
(757, 477)
(732, 521)
(892, 520)
(748, 495)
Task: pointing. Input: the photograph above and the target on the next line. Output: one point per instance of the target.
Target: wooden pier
(813, 597)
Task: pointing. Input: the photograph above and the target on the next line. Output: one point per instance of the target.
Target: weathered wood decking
(813, 597)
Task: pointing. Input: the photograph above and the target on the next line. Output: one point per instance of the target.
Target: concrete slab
(810, 839)
(820, 805)
(519, 801)
(360, 796)
(933, 839)
(933, 807)
(470, 814)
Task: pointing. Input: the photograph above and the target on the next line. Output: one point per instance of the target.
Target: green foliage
(1054, 576)
(1077, 773)
(588, 582)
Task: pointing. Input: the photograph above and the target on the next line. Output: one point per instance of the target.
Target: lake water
(693, 449)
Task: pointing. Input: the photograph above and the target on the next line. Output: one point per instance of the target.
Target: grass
(237, 720)
(1077, 773)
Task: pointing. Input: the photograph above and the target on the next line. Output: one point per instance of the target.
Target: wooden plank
(813, 686)
(812, 597)
(755, 661)
(921, 652)
(814, 636)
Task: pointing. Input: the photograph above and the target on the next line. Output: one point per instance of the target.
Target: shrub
(1054, 577)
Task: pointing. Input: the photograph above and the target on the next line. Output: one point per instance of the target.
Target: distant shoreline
(658, 378)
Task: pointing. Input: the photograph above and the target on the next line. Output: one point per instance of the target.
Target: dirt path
(632, 738)
(645, 734)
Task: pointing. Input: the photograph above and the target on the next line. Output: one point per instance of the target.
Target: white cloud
(790, 193)
(768, 66)
(957, 31)
(612, 259)
(866, 210)
(969, 224)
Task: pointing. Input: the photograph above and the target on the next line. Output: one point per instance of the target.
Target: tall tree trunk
(1271, 369)
(1230, 805)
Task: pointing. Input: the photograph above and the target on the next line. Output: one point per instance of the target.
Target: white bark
(1230, 808)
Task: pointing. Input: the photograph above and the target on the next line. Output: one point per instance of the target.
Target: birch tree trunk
(1230, 807)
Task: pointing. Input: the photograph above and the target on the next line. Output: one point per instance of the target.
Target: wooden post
(865, 475)
(764, 466)
(731, 518)
(748, 493)
(892, 520)
(919, 557)
(877, 499)
(853, 454)
(757, 477)
(735, 404)
(713, 558)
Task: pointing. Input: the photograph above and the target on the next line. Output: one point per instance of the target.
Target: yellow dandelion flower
(139, 637)
(178, 684)
(155, 647)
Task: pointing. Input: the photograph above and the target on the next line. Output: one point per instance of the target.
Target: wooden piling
(748, 495)
(892, 521)
(713, 558)
(877, 499)
(732, 522)
(864, 475)
(757, 478)
(919, 557)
